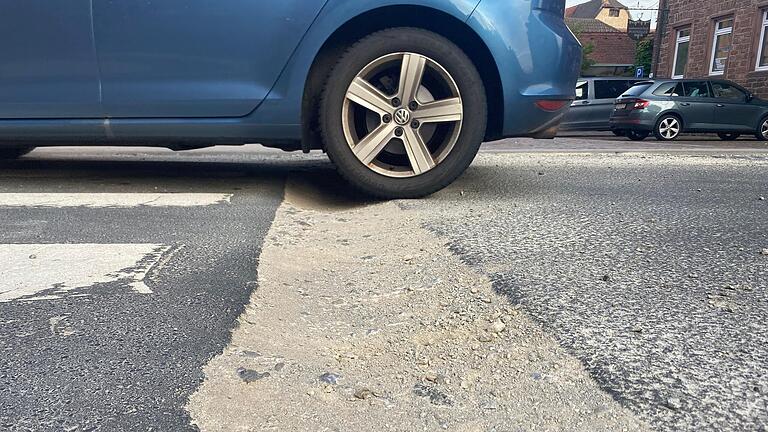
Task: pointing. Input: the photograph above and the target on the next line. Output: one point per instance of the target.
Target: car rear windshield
(637, 90)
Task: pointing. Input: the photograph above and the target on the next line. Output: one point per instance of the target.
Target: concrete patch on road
(363, 320)
(112, 200)
(55, 269)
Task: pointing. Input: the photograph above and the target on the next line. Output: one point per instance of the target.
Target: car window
(728, 92)
(637, 90)
(671, 89)
(611, 89)
(696, 89)
(582, 90)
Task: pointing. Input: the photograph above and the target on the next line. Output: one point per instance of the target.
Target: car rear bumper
(638, 120)
(631, 124)
(538, 58)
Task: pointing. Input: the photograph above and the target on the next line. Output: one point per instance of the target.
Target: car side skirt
(171, 133)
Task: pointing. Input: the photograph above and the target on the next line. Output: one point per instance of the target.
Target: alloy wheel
(402, 115)
(764, 130)
(669, 128)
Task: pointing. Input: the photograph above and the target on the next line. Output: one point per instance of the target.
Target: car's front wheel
(728, 136)
(14, 152)
(403, 113)
(668, 128)
(762, 130)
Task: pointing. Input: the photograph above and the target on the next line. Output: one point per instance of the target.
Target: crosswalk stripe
(112, 200)
(29, 269)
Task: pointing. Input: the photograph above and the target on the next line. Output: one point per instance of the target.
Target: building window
(721, 46)
(762, 53)
(614, 13)
(681, 53)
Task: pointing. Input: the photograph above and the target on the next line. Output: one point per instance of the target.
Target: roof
(592, 8)
(589, 25)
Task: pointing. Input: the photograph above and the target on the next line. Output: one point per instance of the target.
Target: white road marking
(28, 269)
(112, 200)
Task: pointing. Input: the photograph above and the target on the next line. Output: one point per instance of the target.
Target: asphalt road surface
(120, 280)
(651, 269)
(123, 272)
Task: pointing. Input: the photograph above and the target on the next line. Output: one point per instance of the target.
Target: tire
(415, 163)
(762, 130)
(619, 133)
(728, 136)
(637, 135)
(668, 128)
(14, 152)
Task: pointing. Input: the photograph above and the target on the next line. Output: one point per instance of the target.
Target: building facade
(715, 38)
(602, 24)
(613, 50)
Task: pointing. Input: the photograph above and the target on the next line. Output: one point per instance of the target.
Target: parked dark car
(595, 98)
(667, 108)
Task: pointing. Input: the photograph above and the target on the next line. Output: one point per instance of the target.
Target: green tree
(586, 59)
(644, 54)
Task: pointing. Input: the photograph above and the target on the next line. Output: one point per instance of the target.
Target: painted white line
(28, 269)
(112, 200)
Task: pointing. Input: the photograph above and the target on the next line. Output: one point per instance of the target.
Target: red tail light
(641, 104)
(551, 105)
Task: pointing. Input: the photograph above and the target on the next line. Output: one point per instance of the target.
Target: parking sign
(640, 72)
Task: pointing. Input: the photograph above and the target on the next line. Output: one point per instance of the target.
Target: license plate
(621, 106)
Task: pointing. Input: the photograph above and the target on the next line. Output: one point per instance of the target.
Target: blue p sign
(640, 72)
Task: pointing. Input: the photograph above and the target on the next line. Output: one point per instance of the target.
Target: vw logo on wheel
(402, 116)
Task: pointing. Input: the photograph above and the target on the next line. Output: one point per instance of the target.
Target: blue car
(399, 93)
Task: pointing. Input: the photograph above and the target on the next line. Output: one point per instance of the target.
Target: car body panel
(697, 114)
(233, 107)
(541, 63)
(49, 67)
(194, 58)
(737, 116)
(584, 96)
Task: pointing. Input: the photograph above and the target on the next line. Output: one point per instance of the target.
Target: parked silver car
(592, 108)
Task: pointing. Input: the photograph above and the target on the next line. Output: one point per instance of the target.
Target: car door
(733, 112)
(696, 105)
(578, 114)
(48, 65)
(194, 58)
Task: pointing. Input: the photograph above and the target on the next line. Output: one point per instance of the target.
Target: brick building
(603, 24)
(715, 38)
(614, 51)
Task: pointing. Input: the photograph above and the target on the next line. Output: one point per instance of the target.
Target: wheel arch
(761, 119)
(385, 17)
(758, 129)
(674, 113)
